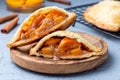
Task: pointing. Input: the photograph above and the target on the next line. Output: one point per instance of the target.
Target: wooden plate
(43, 65)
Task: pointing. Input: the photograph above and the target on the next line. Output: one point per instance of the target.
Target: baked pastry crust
(105, 15)
(96, 48)
(44, 30)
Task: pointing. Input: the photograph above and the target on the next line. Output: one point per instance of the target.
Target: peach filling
(58, 47)
(23, 3)
(39, 24)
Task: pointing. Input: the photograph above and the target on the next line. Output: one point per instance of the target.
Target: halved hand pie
(66, 45)
(41, 23)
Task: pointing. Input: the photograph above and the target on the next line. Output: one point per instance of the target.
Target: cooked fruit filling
(62, 47)
(41, 23)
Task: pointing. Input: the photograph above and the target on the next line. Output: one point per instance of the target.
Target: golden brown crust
(103, 15)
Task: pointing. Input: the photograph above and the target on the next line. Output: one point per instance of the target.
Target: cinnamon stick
(61, 1)
(10, 25)
(8, 17)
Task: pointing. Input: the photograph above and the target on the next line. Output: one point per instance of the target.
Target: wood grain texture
(43, 65)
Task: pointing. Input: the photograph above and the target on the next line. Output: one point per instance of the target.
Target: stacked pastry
(42, 36)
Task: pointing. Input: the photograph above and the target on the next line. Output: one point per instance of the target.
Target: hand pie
(67, 45)
(105, 15)
(41, 23)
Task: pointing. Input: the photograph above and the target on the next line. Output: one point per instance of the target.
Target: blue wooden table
(109, 70)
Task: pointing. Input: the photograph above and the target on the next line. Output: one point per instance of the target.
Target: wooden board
(43, 65)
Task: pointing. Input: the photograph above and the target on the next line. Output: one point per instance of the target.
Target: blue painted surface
(109, 70)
